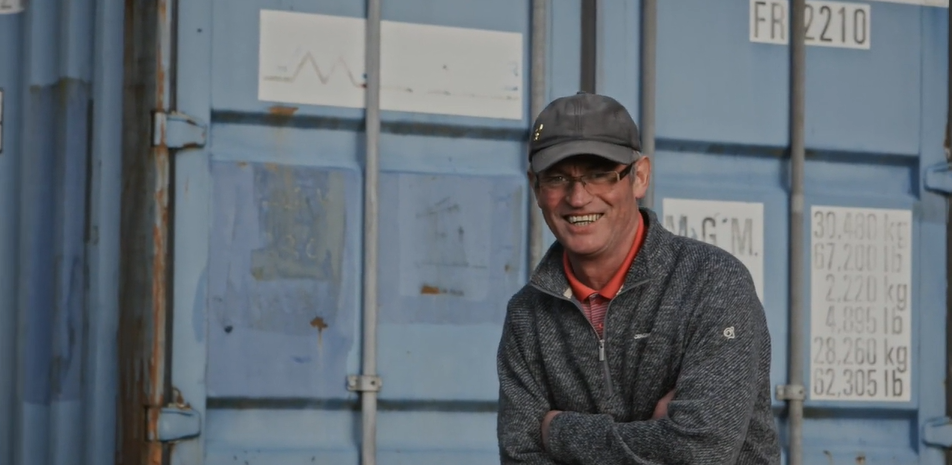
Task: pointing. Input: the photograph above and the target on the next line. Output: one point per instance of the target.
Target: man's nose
(576, 194)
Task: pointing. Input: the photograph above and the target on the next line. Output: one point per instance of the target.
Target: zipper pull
(601, 350)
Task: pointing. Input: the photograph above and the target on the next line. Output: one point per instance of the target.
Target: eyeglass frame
(571, 180)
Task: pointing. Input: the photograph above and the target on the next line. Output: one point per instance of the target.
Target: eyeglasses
(595, 182)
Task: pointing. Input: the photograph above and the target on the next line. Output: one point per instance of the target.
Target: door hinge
(938, 178)
(938, 432)
(173, 423)
(177, 131)
(364, 383)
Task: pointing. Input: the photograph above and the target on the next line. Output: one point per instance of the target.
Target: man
(629, 345)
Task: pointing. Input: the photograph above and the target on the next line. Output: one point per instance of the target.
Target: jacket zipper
(606, 373)
(602, 357)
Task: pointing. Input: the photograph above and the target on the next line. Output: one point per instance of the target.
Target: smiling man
(629, 345)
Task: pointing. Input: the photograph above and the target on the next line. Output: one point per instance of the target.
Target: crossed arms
(706, 419)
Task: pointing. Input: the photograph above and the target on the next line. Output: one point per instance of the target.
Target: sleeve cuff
(571, 434)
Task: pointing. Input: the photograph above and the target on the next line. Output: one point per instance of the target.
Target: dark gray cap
(583, 124)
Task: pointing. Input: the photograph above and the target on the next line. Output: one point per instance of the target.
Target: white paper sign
(861, 304)
(11, 6)
(828, 24)
(737, 227)
(320, 60)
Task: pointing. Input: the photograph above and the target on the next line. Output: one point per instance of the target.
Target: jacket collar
(549, 275)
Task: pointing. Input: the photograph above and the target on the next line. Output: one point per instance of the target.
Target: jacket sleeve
(714, 396)
(523, 397)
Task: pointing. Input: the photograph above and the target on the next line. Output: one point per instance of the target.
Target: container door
(269, 225)
(875, 247)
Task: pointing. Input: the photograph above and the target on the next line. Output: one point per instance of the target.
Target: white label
(320, 60)
(11, 6)
(861, 310)
(828, 24)
(737, 227)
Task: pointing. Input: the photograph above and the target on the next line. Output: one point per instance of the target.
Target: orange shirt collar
(582, 292)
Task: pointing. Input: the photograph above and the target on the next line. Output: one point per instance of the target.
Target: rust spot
(273, 167)
(178, 399)
(319, 323)
(507, 268)
(427, 289)
(861, 460)
(242, 164)
(278, 110)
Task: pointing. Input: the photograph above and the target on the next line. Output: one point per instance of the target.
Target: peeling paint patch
(451, 247)
(282, 263)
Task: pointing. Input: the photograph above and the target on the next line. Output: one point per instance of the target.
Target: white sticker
(8, 7)
(319, 60)
(737, 227)
(861, 309)
(828, 24)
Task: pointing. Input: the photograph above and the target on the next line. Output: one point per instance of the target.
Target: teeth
(584, 219)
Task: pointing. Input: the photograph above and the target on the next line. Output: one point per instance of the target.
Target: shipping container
(230, 235)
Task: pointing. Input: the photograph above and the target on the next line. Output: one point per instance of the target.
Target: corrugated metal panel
(271, 218)
(264, 234)
(60, 68)
(874, 122)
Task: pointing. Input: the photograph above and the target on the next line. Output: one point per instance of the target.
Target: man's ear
(641, 176)
(534, 183)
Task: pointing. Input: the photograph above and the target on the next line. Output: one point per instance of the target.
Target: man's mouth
(583, 220)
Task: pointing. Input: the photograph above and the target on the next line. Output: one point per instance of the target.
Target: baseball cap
(583, 124)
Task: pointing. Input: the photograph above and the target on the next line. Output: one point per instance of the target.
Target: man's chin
(581, 249)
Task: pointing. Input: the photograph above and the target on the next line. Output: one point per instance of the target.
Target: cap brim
(547, 157)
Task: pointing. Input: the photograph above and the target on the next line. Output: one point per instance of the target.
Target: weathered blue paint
(193, 190)
(60, 131)
(11, 29)
(105, 181)
(713, 84)
(454, 255)
(722, 131)
(453, 206)
(281, 280)
(452, 222)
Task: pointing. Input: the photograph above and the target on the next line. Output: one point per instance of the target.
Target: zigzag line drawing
(324, 78)
(308, 58)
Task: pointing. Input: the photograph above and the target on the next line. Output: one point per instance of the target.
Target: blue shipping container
(199, 213)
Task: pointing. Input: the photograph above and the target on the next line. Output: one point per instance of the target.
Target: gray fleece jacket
(686, 318)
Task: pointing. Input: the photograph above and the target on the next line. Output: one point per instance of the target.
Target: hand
(661, 410)
(545, 425)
